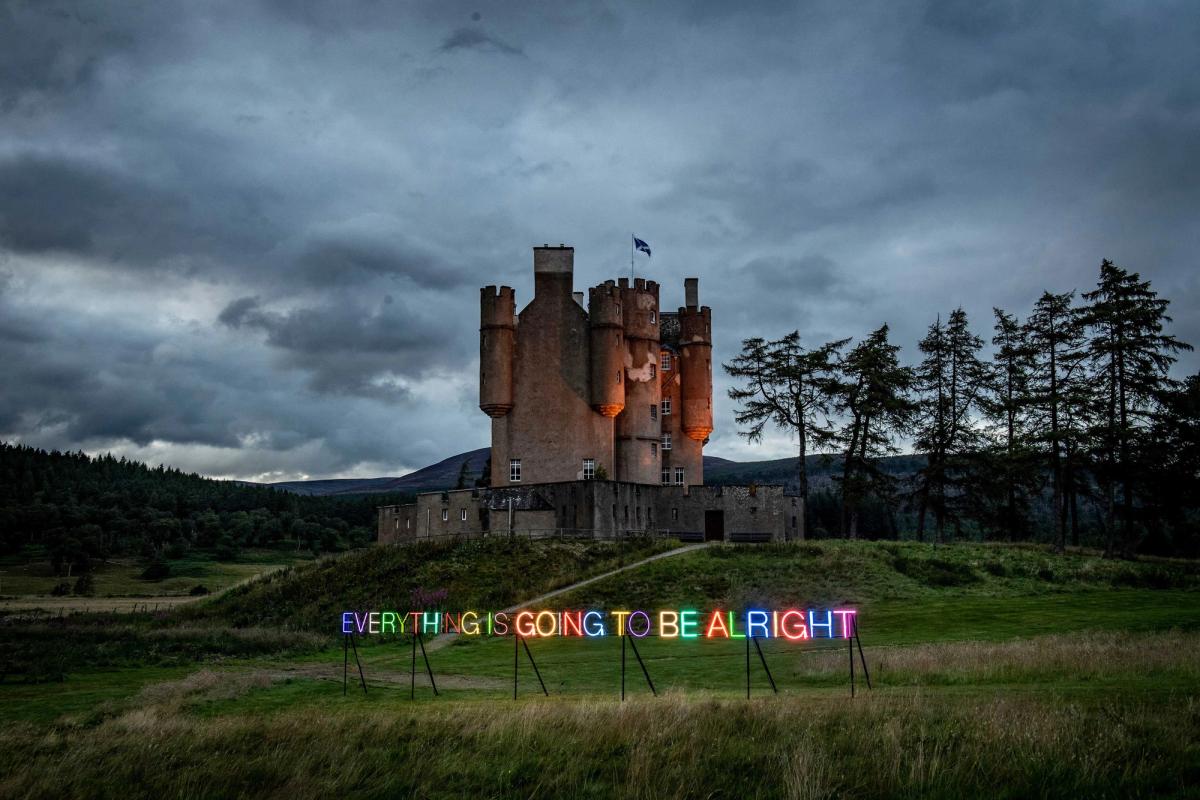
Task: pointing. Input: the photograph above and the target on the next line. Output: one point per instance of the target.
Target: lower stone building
(600, 509)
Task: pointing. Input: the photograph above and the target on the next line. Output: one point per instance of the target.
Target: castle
(599, 418)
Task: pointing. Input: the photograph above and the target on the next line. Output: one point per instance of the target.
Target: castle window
(666, 406)
(666, 441)
(618, 376)
(654, 449)
(653, 411)
(666, 476)
(666, 361)
(514, 470)
(462, 515)
(679, 476)
(674, 515)
(651, 317)
(589, 469)
(445, 514)
(397, 526)
(408, 523)
(654, 370)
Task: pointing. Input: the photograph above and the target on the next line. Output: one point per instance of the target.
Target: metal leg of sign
(763, 659)
(862, 658)
(359, 663)
(622, 669)
(850, 642)
(428, 669)
(748, 638)
(345, 662)
(536, 671)
(516, 656)
(642, 664)
(412, 675)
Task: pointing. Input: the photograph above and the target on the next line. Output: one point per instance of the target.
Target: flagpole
(631, 254)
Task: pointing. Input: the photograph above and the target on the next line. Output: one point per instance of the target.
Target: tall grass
(673, 746)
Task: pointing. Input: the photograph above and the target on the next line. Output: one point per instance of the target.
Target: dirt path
(446, 638)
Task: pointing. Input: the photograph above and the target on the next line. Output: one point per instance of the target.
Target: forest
(1071, 430)
(81, 509)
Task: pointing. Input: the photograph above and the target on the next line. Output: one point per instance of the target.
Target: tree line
(1071, 430)
(77, 509)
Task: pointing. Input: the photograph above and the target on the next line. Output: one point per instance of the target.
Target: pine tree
(1006, 406)
(874, 400)
(1055, 337)
(950, 379)
(1130, 358)
(792, 388)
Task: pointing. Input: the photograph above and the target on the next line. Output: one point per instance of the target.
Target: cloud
(260, 256)
(475, 39)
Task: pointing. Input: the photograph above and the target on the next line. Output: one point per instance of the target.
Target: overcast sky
(247, 238)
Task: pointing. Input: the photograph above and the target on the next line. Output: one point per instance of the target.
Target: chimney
(553, 270)
(578, 297)
(691, 293)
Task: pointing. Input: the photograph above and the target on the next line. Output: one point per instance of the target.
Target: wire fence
(553, 534)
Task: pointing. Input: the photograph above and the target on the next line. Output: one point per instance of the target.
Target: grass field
(997, 671)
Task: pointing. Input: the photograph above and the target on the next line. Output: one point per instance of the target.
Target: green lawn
(997, 671)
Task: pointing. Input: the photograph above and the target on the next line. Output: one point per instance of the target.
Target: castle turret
(608, 349)
(497, 341)
(638, 430)
(695, 346)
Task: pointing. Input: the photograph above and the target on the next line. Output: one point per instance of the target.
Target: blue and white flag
(640, 245)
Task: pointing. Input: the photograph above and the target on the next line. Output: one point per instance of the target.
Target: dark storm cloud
(247, 236)
(473, 38)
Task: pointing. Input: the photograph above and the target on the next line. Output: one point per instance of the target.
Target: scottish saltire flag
(640, 245)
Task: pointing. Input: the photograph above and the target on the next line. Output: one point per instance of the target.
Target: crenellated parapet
(695, 359)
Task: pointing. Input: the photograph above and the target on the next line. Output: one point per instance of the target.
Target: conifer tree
(792, 388)
(1130, 357)
(950, 379)
(874, 401)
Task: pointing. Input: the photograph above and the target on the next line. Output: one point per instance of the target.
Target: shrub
(85, 585)
(61, 589)
(198, 590)
(156, 570)
(997, 568)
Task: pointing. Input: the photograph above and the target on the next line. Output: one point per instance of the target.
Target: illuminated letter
(733, 634)
(473, 630)
(572, 620)
(501, 623)
(430, 619)
(521, 627)
(620, 615)
(553, 623)
(361, 623)
(387, 620)
(668, 624)
(849, 621)
(373, 624)
(644, 616)
(598, 628)
(757, 619)
(717, 621)
(347, 622)
(687, 624)
(793, 634)
(827, 624)
(449, 622)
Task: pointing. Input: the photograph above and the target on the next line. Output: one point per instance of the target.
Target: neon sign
(792, 624)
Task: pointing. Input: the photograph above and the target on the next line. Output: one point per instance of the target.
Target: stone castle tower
(619, 389)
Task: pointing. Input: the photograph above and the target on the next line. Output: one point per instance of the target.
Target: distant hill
(718, 471)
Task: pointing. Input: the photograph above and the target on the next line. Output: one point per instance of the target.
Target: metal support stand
(347, 643)
(850, 644)
(862, 658)
(766, 669)
(641, 663)
(412, 677)
(518, 641)
(418, 639)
